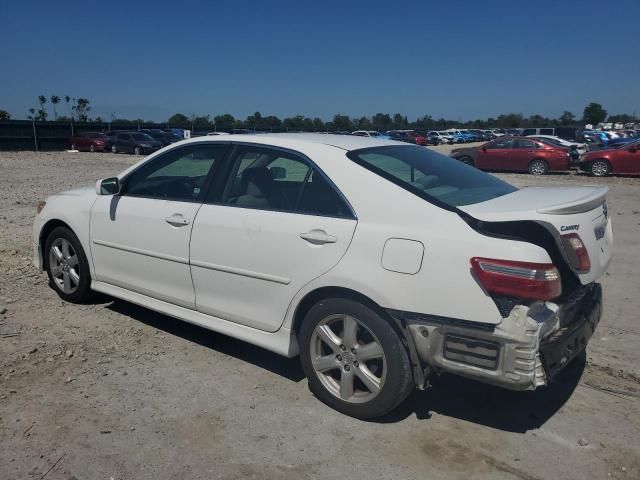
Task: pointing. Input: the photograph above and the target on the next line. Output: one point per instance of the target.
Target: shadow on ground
(450, 395)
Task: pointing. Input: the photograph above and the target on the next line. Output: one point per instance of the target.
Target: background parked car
(408, 136)
(516, 154)
(580, 148)
(133, 142)
(89, 142)
(568, 133)
(165, 138)
(370, 133)
(437, 138)
(624, 158)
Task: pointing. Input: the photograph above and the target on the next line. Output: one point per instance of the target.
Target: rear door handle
(177, 220)
(318, 237)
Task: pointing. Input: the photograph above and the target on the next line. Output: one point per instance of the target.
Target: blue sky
(460, 60)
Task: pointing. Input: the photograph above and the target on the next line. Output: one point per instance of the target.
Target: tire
(538, 167)
(92, 148)
(67, 266)
(600, 168)
(114, 149)
(137, 150)
(337, 368)
(467, 160)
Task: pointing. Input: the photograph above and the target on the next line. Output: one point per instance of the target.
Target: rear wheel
(92, 148)
(137, 151)
(114, 149)
(538, 167)
(354, 360)
(600, 168)
(67, 266)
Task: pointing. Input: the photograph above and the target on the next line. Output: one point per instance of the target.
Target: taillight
(577, 252)
(532, 281)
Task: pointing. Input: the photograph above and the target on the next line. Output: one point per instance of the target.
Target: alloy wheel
(64, 266)
(600, 168)
(348, 358)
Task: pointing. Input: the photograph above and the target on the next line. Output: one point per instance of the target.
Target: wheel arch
(47, 228)
(320, 293)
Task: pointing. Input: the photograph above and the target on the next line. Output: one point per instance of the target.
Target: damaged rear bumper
(523, 352)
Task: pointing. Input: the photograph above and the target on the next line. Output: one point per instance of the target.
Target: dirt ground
(114, 391)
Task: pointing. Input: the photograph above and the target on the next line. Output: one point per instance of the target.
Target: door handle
(177, 220)
(318, 237)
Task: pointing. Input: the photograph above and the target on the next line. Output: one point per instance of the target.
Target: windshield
(431, 175)
(141, 136)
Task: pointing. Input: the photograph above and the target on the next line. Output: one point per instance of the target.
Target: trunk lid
(578, 210)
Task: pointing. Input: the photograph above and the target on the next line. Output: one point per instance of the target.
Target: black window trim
(227, 175)
(207, 183)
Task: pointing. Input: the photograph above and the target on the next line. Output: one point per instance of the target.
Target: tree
(225, 120)
(567, 118)
(594, 114)
(42, 113)
(67, 100)
(32, 111)
(82, 109)
(178, 119)
(622, 118)
(381, 121)
(342, 122)
(55, 100)
(4, 116)
(399, 122)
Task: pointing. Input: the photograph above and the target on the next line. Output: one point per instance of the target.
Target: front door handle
(318, 237)
(177, 220)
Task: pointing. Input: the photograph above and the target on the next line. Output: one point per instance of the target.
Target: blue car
(618, 142)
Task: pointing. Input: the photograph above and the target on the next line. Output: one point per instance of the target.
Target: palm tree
(42, 113)
(55, 99)
(67, 99)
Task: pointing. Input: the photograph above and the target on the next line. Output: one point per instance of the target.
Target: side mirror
(633, 149)
(278, 173)
(108, 186)
(484, 149)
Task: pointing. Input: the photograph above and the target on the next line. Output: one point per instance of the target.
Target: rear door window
(270, 179)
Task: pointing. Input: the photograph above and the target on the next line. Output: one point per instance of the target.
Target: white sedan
(581, 148)
(379, 263)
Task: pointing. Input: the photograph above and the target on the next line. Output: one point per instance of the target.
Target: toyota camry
(377, 262)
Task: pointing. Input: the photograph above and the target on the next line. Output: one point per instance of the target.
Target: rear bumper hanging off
(523, 352)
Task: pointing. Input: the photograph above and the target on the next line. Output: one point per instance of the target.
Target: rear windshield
(431, 175)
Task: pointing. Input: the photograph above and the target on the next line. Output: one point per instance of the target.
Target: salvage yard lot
(113, 390)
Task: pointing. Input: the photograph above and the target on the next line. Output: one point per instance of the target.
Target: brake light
(577, 252)
(532, 281)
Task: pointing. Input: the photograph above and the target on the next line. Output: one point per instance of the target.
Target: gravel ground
(110, 390)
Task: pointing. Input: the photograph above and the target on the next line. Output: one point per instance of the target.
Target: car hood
(89, 190)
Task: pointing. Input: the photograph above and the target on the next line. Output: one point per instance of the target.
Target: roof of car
(344, 142)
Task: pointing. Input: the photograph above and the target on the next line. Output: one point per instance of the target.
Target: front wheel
(137, 151)
(67, 266)
(538, 167)
(600, 168)
(114, 149)
(354, 360)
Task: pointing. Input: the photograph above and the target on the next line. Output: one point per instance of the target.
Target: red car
(89, 142)
(623, 159)
(516, 154)
(408, 136)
